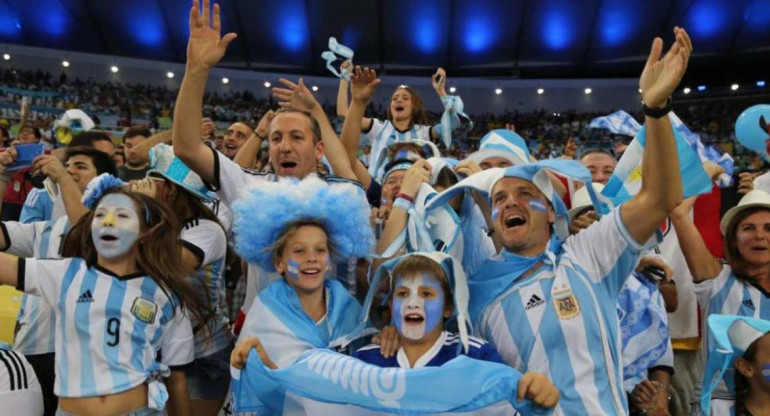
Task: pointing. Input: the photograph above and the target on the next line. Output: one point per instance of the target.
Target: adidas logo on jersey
(534, 302)
(86, 297)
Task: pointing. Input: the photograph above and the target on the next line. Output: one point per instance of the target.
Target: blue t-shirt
(447, 347)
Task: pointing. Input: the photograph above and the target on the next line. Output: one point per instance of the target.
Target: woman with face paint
(425, 291)
(295, 229)
(203, 251)
(739, 285)
(121, 308)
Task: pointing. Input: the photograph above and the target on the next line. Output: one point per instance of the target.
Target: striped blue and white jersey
(206, 239)
(35, 320)
(728, 295)
(382, 134)
(562, 320)
(446, 347)
(643, 330)
(110, 330)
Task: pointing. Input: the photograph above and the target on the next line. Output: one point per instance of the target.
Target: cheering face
(81, 168)
(418, 306)
(234, 139)
(521, 216)
(392, 186)
(305, 260)
(495, 162)
(601, 166)
(401, 105)
(752, 236)
(292, 151)
(115, 227)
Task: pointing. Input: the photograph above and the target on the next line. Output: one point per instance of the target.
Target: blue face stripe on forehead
(538, 205)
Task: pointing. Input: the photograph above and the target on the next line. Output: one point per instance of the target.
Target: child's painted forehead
(419, 279)
(115, 201)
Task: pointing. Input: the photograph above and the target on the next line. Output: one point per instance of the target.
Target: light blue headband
(331, 55)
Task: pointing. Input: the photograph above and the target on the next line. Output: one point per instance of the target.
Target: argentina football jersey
(110, 330)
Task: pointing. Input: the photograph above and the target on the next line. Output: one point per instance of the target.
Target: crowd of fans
(383, 259)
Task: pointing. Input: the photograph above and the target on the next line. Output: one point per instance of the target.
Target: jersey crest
(566, 304)
(144, 310)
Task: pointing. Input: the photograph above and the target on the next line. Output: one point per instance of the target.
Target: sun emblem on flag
(635, 175)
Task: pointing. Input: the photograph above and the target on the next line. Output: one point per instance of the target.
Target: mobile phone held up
(26, 153)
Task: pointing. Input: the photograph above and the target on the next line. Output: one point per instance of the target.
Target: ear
(448, 310)
(744, 367)
(278, 264)
(551, 214)
(319, 151)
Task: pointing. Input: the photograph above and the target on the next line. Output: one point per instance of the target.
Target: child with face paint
(421, 302)
(295, 228)
(120, 299)
(739, 354)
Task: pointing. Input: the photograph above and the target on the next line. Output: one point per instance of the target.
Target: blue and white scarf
(324, 382)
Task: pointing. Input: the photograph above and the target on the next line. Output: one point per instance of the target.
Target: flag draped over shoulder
(626, 181)
(320, 379)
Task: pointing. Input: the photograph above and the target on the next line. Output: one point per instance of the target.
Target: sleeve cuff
(367, 131)
(197, 251)
(214, 187)
(21, 268)
(635, 246)
(6, 237)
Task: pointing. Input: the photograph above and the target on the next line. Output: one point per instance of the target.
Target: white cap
(581, 200)
(755, 198)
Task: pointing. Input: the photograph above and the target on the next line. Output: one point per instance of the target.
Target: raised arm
(205, 48)
(299, 96)
(661, 181)
(342, 92)
(364, 81)
(50, 166)
(702, 264)
(143, 149)
(438, 80)
(9, 270)
(247, 154)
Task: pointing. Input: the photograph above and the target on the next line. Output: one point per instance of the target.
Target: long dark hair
(156, 250)
(418, 109)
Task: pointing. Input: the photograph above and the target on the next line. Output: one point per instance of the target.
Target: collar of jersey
(403, 361)
(124, 277)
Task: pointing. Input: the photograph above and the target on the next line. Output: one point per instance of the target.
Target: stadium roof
(524, 38)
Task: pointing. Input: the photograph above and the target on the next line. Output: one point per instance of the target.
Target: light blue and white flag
(452, 119)
(623, 123)
(324, 382)
(618, 122)
(626, 181)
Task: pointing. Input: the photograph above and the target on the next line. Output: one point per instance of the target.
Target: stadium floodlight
(170, 74)
(734, 87)
(540, 91)
(114, 69)
(640, 90)
(498, 91)
(760, 84)
(6, 56)
(267, 84)
(65, 64)
(588, 91)
(452, 89)
(701, 88)
(315, 87)
(686, 90)
(225, 80)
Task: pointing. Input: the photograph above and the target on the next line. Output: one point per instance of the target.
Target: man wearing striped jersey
(20, 392)
(35, 322)
(555, 312)
(297, 136)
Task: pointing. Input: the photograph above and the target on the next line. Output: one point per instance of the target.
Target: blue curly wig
(97, 186)
(263, 212)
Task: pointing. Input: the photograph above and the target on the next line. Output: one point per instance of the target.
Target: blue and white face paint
(538, 205)
(115, 227)
(416, 311)
(766, 372)
(292, 269)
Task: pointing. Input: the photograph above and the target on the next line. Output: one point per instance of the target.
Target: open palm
(363, 83)
(205, 46)
(661, 76)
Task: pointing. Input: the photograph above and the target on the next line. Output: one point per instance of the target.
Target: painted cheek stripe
(495, 214)
(537, 205)
(292, 269)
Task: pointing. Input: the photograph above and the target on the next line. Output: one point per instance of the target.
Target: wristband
(402, 203)
(657, 112)
(405, 196)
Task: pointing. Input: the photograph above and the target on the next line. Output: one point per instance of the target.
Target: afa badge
(144, 310)
(566, 304)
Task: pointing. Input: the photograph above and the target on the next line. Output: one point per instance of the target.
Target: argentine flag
(322, 382)
(626, 181)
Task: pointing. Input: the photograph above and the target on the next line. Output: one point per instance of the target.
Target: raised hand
(363, 83)
(439, 81)
(295, 96)
(205, 46)
(661, 76)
